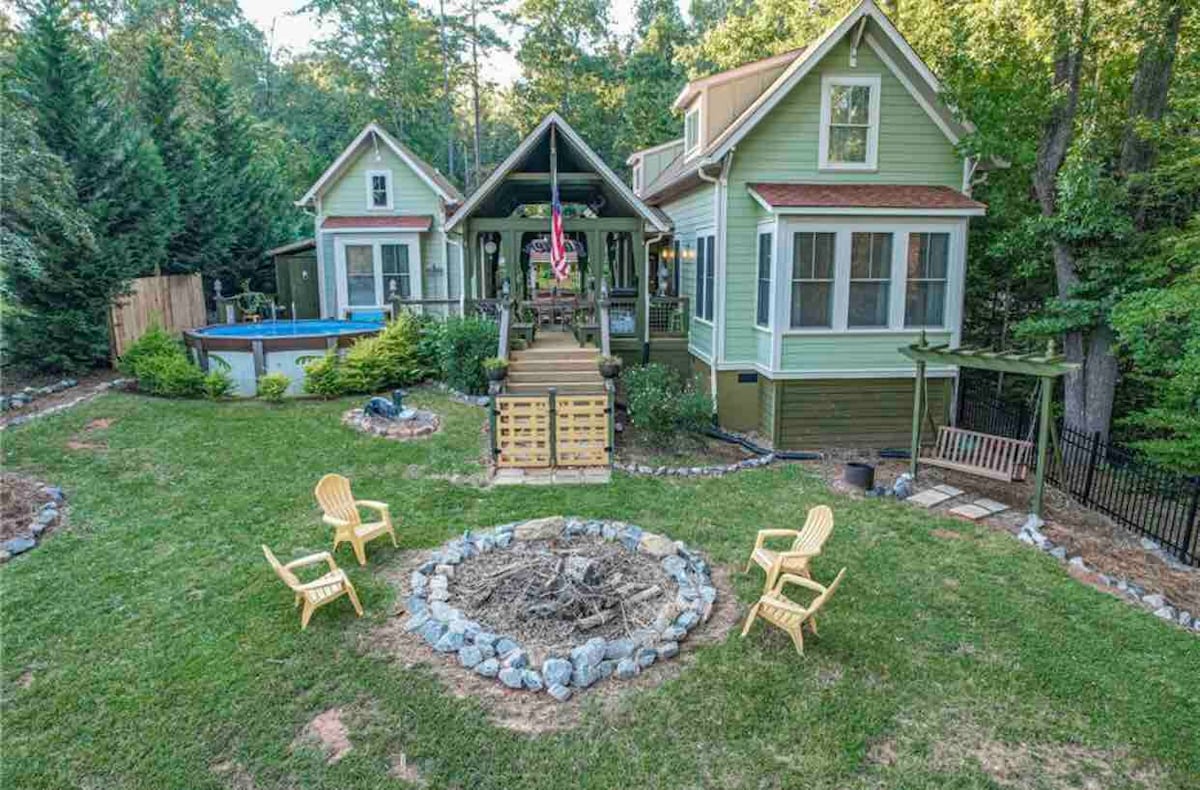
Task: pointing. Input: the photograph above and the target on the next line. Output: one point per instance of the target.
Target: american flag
(558, 246)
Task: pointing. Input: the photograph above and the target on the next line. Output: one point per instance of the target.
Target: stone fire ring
(421, 425)
(490, 655)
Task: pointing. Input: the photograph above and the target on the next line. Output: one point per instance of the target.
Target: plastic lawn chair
(779, 610)
(807, 544)
(317, 593)
(341, 512)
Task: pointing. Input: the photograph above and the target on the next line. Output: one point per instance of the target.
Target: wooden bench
(997, 457)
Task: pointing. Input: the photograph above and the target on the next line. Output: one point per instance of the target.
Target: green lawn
(150, 642)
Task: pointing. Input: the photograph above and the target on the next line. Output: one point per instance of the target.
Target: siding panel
(873, 413)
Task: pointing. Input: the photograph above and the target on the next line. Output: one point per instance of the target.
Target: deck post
(1043, 437)
(915, 448)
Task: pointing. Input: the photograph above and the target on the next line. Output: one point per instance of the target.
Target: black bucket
(860, 475)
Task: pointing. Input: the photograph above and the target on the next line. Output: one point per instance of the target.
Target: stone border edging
(719, 470)
(100, 388)
(49, 514)
(447, 630)
(462, 397)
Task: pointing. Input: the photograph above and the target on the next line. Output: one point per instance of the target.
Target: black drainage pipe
(785, 455)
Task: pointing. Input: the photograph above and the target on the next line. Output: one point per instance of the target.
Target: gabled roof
(679, 176)
(905, 197)
(654, 149)
(425, 171)
(583, 149)
(693, 88)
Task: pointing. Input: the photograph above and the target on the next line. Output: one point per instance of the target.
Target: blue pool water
(288, 328)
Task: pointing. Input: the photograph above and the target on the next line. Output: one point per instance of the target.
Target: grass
(149, 642)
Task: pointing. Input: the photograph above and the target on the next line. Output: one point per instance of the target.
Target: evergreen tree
(653, 77)
(118, 180)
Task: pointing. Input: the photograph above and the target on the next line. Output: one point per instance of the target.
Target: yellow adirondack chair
(779, 610)
(807, 544)
(341, 512)
(317, 593)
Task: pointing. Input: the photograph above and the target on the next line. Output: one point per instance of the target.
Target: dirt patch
(540, 591)
(405, 771)
(947, 534)
(1053, 766)
(77, 445)
(233, 775)
(100, 424)
(26, 679)
(21, 500)
(882, 752)
(327, 732)
(522, 711)
(636, 447)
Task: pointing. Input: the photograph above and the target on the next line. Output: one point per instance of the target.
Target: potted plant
(610, 367)
(495, 368)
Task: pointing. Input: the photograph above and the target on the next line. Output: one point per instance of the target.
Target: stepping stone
(949, 491)
(991, 505)
(970, 511)
(928, 498)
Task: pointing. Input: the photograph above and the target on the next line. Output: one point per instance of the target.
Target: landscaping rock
(1078, 562)
(605, 668)
(584, 675)
(504, 646)
(416, 622)
(674, 633)
(675, 567)
(18, 545)
(1165, 613)
(667, 649)
(440, 610)
(631, 536)
(559, 692)
(517, 659)
(531, 680)
(486, 639)
(626, 669)
(54, 492)
(619, 648)
(511, 677)
(504, 540)
(432, 631)
(1155, 601)
(688, 619)
(489, 668)
(590, 652)
(540, 528)
(418, 581)
(557, 671)
(1058, 553)
(449, 642)
(416, 603)
(1185, 618)
(47, 514)
(646, 656)
(657, 546)
(470, 656)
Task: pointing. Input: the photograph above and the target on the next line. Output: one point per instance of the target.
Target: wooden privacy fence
(541, 431)
(174, 302)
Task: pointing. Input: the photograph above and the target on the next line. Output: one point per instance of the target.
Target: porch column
(641, 268)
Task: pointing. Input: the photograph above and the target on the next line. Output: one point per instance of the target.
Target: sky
(297, 32)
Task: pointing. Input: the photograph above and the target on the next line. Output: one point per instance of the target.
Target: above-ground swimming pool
(248, 351)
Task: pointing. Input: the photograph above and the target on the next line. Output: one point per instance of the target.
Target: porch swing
(973, 452)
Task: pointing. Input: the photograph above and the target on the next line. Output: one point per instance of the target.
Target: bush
(273, 386)
(465, 343)
(386, 360)
(663, 404)
(162, 367)
(323, 376)
(217, 384)
(429, 347)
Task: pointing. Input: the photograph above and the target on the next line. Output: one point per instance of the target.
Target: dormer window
(379, 189)
(849, 136)
(691, 131)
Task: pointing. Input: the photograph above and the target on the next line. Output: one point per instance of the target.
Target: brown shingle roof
(379, 221)
(901, 196)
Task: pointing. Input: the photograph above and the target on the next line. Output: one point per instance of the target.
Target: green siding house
(820, 210)
(379, 216)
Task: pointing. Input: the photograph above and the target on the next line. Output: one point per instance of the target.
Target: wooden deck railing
(669, 316)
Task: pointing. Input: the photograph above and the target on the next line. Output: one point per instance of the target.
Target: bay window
(927, 264)
(812, 280)
(762, 313)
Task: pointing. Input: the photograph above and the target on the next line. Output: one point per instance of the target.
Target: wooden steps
(554, 360)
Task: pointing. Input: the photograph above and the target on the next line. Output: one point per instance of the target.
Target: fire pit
(557, 604)
(392, 420)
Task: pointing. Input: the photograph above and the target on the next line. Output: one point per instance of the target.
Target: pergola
(1046, 367)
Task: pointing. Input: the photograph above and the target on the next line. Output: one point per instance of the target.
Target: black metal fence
(1145, 497)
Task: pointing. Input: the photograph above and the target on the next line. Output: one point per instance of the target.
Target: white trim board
(798, 375)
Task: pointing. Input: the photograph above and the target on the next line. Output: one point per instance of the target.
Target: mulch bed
(636, 447)
(551, 595)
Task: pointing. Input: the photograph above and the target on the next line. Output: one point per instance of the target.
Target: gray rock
(443, 611)
(504, 540)
(432, 631)
(1033, 523)
(449, 642)
(485, 639)
(667, 649)
(626, 669)
(688, 619)
(631, 536)
(590, 652)
(1185, 618)
(1078, 562)
(532, 680)
(605, 668)
(594, 528)
(540, 528)
(559, 691)
(517, 659)
(418, 581)
(47, 514)
(656, 545)
(439, 582)
(416, 603)
(452, 557)
(1058, 553)
(1155, 601)
(427, 567)
(416, 622)
(608, 532)
(54, 492)
(444, 570)
(459, 626)
(504, 646)
(37, 528)
(646, 656)
(18, 545)
(511, 677)
(674, 566)
(439, 594)
(619, 648)
(489, 668)
(674, 633)
(584, 675)
(470, 656)
(1149, 545)
(1165, 613)
(557, 671)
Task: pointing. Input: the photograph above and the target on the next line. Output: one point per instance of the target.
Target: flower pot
(859, 474)
(610, 370)
(497, 374)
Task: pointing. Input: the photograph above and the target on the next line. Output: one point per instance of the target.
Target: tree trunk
(475, 91)
(449, 107)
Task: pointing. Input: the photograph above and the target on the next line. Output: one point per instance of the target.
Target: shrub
(273, 386)
(217, 384)
(386, 360)
(465, 343)
(662, 404)
(162, 367)
(429, 347)
(323, 376)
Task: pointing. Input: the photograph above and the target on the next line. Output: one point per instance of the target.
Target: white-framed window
(379, 189)
(814, 268)
(705, 276)
(762, 311)
(849, 134)
(691, 130)
(927, 266)
(637, 177)
(361, 289)
(371, 269)
(870, 280)
(397, 278)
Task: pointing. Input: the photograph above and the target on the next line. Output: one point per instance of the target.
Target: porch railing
(622, 316)
(669, 316)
